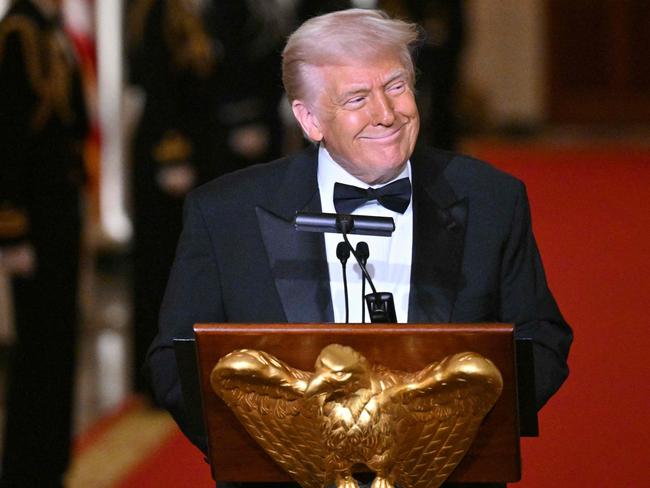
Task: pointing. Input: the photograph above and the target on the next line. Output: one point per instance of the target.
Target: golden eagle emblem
(409, 428)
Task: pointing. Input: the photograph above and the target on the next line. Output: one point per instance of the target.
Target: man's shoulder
(243, 183)
(463, 165)
(467, 174)
(479, 171)
(253, 183)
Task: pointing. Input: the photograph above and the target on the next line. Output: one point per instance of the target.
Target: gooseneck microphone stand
(363, 251)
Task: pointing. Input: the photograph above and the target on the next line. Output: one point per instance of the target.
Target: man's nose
(382, 110)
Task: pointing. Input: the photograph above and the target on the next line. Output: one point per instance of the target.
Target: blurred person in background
(310, 8)
(43, 125)
(209, 72)
(171, 58)
(248, 86)
(437, 62)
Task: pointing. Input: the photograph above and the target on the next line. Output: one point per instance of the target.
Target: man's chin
(383, 172)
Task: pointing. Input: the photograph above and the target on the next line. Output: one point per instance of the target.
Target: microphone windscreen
(342, 251)
(363, 251)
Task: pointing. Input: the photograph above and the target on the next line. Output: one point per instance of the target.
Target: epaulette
(28, 32)
(395, 8)
(51, 87)
(173, 148)
(137, 20)
(188, 41)
(14, 223)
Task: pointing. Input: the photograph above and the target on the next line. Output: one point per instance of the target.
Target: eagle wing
(436, 416)
(267, 397)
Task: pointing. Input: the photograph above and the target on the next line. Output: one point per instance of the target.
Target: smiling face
(365, 115)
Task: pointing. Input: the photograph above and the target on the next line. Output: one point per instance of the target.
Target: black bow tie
(395, 196)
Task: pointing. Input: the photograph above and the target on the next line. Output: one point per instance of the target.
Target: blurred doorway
(597, 61)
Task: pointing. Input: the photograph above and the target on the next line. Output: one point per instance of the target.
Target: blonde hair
(353, 34)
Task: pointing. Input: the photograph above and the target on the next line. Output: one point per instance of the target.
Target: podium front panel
(494, 455)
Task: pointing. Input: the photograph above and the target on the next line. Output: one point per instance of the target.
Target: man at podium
(462, 251)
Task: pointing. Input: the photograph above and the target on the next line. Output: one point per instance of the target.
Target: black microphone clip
(363, 253)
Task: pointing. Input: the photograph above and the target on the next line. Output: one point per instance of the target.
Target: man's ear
(308, 120)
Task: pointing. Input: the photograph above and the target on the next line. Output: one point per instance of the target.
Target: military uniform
(43, 124)
(171, 60)
(438, 63)
(204, 78)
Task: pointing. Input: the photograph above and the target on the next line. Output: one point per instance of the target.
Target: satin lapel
(439, 223)
(297, 259)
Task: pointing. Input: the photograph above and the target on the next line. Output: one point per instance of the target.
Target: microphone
(363, 251)
(344, 224)
(381, 307)
(343, 253)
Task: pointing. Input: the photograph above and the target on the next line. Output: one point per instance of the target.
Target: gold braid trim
(137, 20)
(60, 77)
(173, 148)
(395, 8)
(53, 87)
(190, 45)
(28, 33)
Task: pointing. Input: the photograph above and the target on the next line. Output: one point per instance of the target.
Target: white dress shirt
(389, 264)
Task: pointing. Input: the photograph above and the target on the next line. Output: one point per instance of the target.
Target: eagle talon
(346, 481)
(381, 482)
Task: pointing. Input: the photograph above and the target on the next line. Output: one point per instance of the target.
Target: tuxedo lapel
(439, 223)
(297, 259)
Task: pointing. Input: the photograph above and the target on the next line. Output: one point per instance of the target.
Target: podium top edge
(301, 328)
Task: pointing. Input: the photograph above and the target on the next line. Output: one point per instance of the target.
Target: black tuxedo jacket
(239, 259)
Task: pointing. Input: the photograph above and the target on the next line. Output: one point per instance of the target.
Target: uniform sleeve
(16, 110)
(193, 295)
(527, 301)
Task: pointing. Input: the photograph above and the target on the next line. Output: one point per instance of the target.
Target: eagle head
(339, 369)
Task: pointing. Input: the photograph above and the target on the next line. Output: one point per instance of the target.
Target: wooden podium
(235, 456)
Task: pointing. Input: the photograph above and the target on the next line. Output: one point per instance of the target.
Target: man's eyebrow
(362, 88)
(354, 90)
(396, 75)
